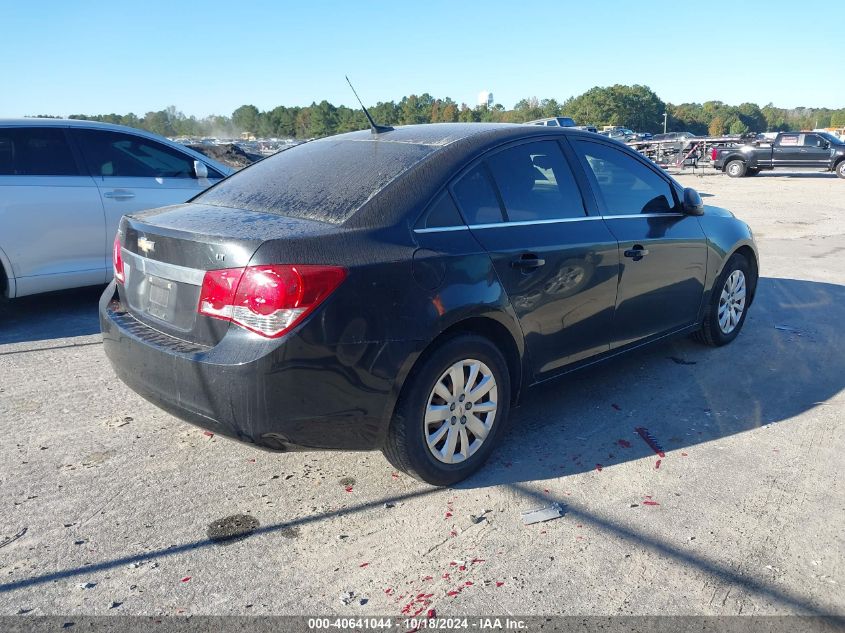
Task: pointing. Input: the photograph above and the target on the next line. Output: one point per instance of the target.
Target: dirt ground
(110, 506)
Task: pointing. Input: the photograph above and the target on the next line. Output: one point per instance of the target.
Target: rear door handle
(527, 262)
(119, 194)
(636, 253)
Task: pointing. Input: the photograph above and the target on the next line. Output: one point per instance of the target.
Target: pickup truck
(790, 150)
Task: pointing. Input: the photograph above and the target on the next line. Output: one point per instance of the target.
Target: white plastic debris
(546, 513)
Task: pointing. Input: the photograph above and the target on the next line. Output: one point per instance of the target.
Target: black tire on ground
(406, 447)
(735, 169)
(840, 169)
(710, 332)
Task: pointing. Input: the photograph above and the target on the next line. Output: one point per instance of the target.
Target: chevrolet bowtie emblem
(146, 245)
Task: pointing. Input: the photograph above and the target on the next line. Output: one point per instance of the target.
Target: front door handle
(636, 253)
(527, 262)
(119, 194)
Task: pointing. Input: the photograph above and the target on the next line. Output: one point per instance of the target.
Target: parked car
(587, 128)
(64, 184)
(816, 150)
(401, 291)
(555, 121)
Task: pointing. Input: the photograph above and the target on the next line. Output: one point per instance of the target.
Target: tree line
(636, 107)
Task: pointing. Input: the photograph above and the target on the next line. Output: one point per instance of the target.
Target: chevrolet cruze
(401, 290)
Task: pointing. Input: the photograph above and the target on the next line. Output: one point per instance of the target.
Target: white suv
(64, 185)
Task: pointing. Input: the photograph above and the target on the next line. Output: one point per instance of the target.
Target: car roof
(111, 127)
(451, 147)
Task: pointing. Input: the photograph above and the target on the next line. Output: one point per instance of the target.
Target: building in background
(485, 98)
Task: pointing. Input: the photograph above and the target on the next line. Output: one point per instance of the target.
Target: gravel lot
(107, 503)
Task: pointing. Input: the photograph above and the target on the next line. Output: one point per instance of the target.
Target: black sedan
(400, 291)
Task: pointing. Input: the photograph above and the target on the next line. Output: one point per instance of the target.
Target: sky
(209, 57)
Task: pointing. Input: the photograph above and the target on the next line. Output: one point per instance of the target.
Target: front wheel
(840, 169)
(735, 169)
(451, 411)
(729, 301)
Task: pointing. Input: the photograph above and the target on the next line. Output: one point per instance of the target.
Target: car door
(814, 151)
(51, 219)
(786, 151)
(663, 252)
(134, 173)
(557, 264)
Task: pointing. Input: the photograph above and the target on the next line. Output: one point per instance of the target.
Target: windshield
(326, 180)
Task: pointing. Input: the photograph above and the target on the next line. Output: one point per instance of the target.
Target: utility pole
(665, 118)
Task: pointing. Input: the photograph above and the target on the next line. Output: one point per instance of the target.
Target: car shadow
(51, 315)
(789, 358)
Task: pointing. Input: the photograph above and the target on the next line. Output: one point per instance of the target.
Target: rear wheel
(735, 169)
(451, 411)
(728, 303)
(840, 169)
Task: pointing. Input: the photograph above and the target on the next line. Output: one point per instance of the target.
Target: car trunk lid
(166, 253)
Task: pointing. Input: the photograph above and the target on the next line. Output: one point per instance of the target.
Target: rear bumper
(279, 394)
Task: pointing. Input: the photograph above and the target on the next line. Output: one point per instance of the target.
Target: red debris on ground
(649, 439)
(348, 489)
(448, 515)
(388, 591)
(394, 475)
(657, 464)
(453, 534)
(599, 467)
(363, 565)
(624, 443)
(476, 560)
(683, 454)
(186, 579)
(499, 583)
(428, 578)
(208, 433)
(650, 503)
(469, 583)
(431, 613)
(446, 577)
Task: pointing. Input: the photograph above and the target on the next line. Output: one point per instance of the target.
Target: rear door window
(37, 151)
(477, 197)
(536, 183)
(627, 186)
(127, 155)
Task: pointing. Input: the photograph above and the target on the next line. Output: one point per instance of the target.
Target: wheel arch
(493, 326)
(7, 279)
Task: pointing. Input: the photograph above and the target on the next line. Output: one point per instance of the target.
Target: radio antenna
(375, 127)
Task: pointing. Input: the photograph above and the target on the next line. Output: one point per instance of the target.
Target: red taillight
(117, 261)
(713, 153)
(268, 300)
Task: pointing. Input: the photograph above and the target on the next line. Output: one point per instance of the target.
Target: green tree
(246, 118)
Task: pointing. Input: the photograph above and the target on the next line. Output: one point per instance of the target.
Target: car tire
(840, 169)
(415, 422)
(735, 169)
(722, 323)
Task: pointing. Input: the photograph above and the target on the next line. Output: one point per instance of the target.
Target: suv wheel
(735, 169)
(451, 412)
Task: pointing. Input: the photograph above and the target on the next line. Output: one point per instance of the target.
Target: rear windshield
(326, 180)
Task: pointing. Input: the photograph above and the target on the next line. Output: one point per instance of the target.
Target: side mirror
(692, 202)
(200, 169)
(825, 144)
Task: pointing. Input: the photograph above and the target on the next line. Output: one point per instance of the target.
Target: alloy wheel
(461, 411)
(732, 302)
